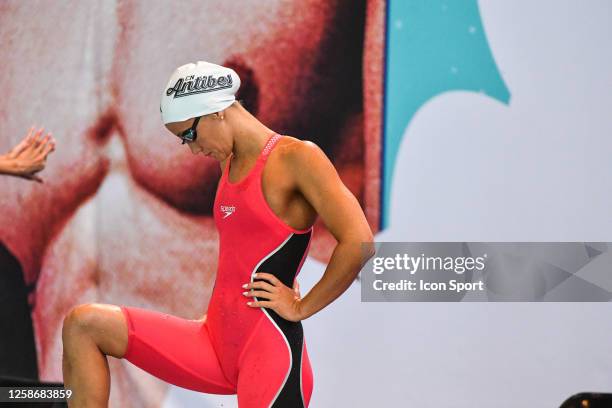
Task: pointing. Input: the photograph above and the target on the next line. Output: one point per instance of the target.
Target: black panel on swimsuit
(284, 264)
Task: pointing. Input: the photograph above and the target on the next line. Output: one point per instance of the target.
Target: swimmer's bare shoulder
(293, 157)
(311, 172)
(293, 151)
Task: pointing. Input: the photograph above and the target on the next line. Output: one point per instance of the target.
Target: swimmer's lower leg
(85, 367)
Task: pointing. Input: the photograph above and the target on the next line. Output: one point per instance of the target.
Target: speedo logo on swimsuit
(227, 210)
(191, 85)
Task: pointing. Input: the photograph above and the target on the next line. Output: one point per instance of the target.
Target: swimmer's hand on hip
(275, 295)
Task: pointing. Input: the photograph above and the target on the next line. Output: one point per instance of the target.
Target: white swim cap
(198, 89)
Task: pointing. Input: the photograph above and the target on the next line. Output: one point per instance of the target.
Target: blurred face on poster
(123, 215)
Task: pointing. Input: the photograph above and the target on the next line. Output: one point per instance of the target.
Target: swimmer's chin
(205, 154)
(218, 156)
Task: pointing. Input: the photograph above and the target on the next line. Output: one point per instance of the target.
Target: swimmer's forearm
(343, 268)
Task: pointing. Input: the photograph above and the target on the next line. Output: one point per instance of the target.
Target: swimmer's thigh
(274, 368)
(176, 350)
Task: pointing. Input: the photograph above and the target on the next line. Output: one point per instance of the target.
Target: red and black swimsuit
(238, 349)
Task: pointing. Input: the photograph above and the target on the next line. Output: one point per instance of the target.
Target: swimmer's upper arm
(319, 182)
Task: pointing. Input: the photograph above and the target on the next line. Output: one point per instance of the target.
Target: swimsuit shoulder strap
(272, 141)
(263, 156)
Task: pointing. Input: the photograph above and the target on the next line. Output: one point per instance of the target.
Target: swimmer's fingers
(269, 277)
(25, 142)
(28, 148)
(260, 303)
(47, 147)
(260, 294)
(261, 285)
(46, 143)
(37, 139)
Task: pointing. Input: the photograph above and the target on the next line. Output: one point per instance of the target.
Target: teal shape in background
(432, 47)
